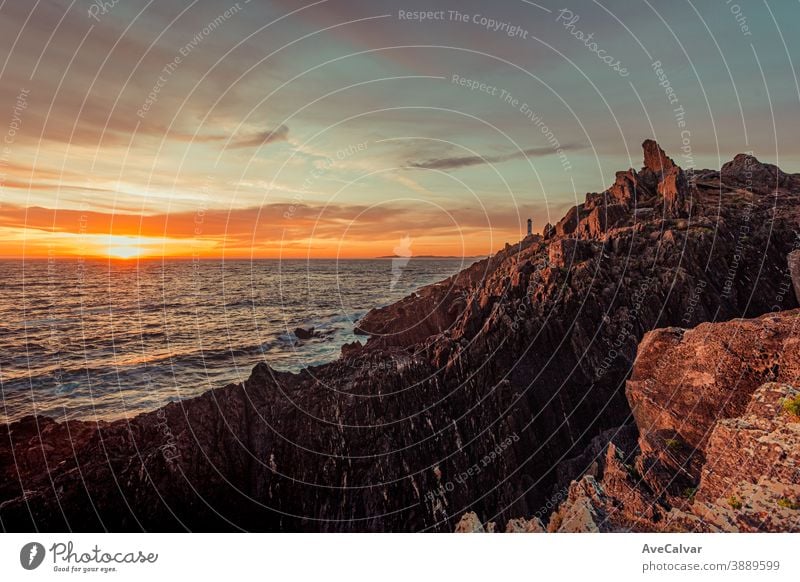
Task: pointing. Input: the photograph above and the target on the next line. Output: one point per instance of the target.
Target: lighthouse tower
(530, 227)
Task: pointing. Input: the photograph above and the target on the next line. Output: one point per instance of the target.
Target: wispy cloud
(408, 183)
(452, 163)
(268, 136)
(243, 140)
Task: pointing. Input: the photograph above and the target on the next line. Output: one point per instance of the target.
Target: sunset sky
(336, 128)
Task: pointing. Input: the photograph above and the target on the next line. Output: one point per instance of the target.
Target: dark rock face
(624, 191)
(794, 272)
(466, 397)
(602, 219)
(349, 350)
(567, 225)
(717, 450)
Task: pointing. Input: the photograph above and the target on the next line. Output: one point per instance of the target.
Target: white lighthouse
(530, 227)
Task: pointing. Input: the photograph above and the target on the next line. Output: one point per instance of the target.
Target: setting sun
(33, 243)
(125, 252)
(130, 247)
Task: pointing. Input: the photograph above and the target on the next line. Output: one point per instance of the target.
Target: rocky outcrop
(684, 381)
(471, 523)
(305, 333)
(467, 396)
(625, 189)
(435, 308)
(601, 219)
(751, 478)
(747, 173)
(660, 183)
(569, 223)
(533, 525)
(352, 349)
(669, 180)
(719, 448)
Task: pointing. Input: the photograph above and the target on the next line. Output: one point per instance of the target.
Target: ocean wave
(123, 338)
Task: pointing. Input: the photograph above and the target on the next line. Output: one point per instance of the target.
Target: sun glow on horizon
(126, 247)
(22, 242)
(131, 247)
(33, 243)
(124, 253)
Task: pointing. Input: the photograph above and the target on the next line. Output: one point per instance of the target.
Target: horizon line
(98, 258)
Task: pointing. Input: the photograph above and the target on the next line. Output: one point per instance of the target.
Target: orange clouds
(273, 230)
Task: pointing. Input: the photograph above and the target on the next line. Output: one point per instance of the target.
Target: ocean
(111, 339)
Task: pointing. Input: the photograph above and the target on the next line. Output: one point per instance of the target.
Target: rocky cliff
(475, 394)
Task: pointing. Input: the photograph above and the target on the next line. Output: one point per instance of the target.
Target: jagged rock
(655, 159)
(601, 219)
(585, 510)
(673, 188)
(348, 350)
(612, 498)
(566, 251)
(533, 525)
(667, 178)
(471, 523)
(592, 459)
(624, 191)
(567, 225)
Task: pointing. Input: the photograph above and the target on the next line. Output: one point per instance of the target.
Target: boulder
(304, 333)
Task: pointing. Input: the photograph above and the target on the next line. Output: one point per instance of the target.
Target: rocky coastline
(570, 382)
